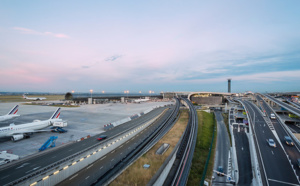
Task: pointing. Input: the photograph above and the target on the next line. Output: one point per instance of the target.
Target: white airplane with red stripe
(32, 98)
(18, 132)
(11, 114)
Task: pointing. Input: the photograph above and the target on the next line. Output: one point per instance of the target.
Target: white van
(272, 116)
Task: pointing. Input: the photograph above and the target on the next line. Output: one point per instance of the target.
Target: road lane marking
(73, 176)
(272, 152)
(5, 177)
(101, 167)
(103, 158)
(282, 182)
(112, 152)
(87, 177)
(121, 146)
(89, 166)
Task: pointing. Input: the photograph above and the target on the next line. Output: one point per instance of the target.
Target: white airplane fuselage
(26, 128)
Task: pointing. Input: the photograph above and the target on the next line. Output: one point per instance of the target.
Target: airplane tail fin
(56, 114)
(14, 110)
(24, 96)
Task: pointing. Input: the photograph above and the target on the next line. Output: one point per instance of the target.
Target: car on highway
(288, 140)
(101, 137)
(271, 142)
(220, 171)
(272, 116)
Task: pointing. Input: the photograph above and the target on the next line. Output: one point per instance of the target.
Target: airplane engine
(17, 137)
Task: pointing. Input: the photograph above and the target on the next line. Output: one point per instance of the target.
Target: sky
(112, 46)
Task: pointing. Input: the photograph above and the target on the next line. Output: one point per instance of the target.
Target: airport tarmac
(82, 121)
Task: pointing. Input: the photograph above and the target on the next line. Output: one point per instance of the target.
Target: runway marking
(73, 176)
(282, 182)
(103, 158)
(272, 152)
(87, 177)
(89, 166)
(101, 168)
(5, 177)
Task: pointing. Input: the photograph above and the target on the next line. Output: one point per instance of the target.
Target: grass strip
(136, 174)
(204, 136)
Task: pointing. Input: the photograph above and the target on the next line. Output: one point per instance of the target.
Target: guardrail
(186, 150)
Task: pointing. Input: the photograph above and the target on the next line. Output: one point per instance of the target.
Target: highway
(93, 172)
(37, 163)
(275, 167)
(223, 148)
(290, 108)
(292, 151)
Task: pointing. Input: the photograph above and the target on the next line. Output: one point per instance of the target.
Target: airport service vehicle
(220, 171)
(32, 98)
(18, 132)
(101, 137)
(271, 142)
(288, 140)
(11, 114)
(7, 157)
(59, 129)
(272, 116)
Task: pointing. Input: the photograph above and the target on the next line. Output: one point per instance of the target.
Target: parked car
(288, 140)
(271, 142)
(101, 137)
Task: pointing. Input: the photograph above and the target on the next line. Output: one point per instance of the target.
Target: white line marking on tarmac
(272, 152)
(53, 156)
(282, 182)
(73, 176)
(101, 167)
(87, 177)
(112, 152)
(121, 146)
(112, 160)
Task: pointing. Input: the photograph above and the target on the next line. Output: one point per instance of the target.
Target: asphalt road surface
(223, 147)
(276, 167)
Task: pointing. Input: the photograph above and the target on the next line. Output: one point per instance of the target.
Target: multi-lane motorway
(292, 151)
(27, 166)
(275, 166)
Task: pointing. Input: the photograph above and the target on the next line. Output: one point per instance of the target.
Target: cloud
(113, 58)
(34, 32)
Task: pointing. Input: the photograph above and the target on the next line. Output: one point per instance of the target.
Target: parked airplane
(12, 114)
(141, 100)
(18, 132)
(31, 98)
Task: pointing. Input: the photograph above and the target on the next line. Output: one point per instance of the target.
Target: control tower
(229, 85)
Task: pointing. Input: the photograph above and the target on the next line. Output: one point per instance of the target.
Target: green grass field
(205, 130)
